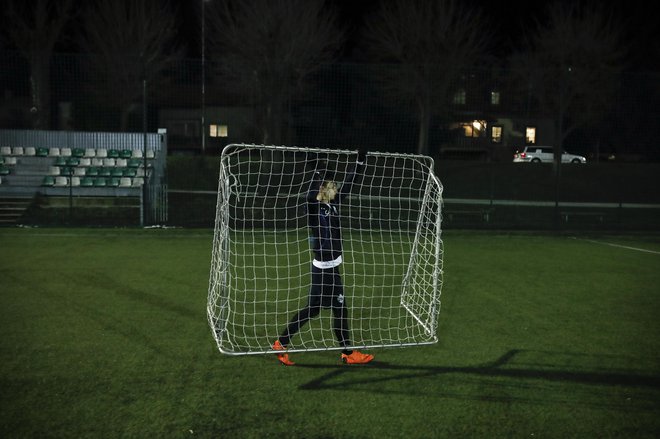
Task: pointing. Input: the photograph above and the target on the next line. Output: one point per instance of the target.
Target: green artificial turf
(104, 334)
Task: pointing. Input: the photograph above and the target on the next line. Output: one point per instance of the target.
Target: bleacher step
(12, 209)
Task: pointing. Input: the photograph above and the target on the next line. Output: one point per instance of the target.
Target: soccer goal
(261, 260)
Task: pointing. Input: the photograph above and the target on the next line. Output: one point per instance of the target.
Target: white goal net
(261, 268)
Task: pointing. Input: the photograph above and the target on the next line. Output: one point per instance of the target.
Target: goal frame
(219, 307)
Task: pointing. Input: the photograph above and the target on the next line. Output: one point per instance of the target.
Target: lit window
(530, 135)
(476, 128)
(495, 98)
(459, 97)
(218, 130)
(496, 134)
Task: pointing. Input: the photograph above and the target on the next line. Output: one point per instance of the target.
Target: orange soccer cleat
(284, 358)
(356, 357)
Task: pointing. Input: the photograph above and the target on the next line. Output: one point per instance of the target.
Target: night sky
(510, 20)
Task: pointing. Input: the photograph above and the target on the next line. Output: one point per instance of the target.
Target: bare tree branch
(572, 65)
(34, 26)
(430, 43)
(128, 41)
(268, 49)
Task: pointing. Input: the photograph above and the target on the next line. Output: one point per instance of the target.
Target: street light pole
(203, 76)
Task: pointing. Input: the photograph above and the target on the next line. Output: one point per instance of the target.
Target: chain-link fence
(471, 129)
(483, 114)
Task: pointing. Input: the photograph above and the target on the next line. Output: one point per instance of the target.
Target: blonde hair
(323, 194)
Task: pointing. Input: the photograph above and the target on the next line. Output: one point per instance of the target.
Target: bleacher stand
(81, 164)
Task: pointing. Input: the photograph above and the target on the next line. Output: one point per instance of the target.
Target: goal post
(260, 274)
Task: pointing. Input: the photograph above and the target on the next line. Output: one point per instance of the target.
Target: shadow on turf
(499, 368)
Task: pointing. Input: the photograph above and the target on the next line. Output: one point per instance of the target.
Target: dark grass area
(104, 334)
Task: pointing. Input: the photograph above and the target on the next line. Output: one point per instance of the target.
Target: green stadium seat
(2, 160)
(92, 171)
(73, 161)
(134, 163)
(66, 170)
(126, 153)
(113, 182)
(78, 152)
(60, 161)
(130, 172)
(4, 170)
(41, 152)
(117, 172)
(87, 182)
(100, 182)
(105, 172)
(49, 180)
(113, 153)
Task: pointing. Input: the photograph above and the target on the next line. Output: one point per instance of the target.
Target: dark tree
(34, 26)
(571, 66)
(129, 41)
(429, 44)
(267, 49)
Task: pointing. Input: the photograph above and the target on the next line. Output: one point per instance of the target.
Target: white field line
(622, 246)
(102, 234)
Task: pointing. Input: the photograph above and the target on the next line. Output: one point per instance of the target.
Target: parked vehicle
(545, 154)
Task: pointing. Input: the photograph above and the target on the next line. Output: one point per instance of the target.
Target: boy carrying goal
(327, 290)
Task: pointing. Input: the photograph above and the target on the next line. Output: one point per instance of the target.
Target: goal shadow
(582, 372)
